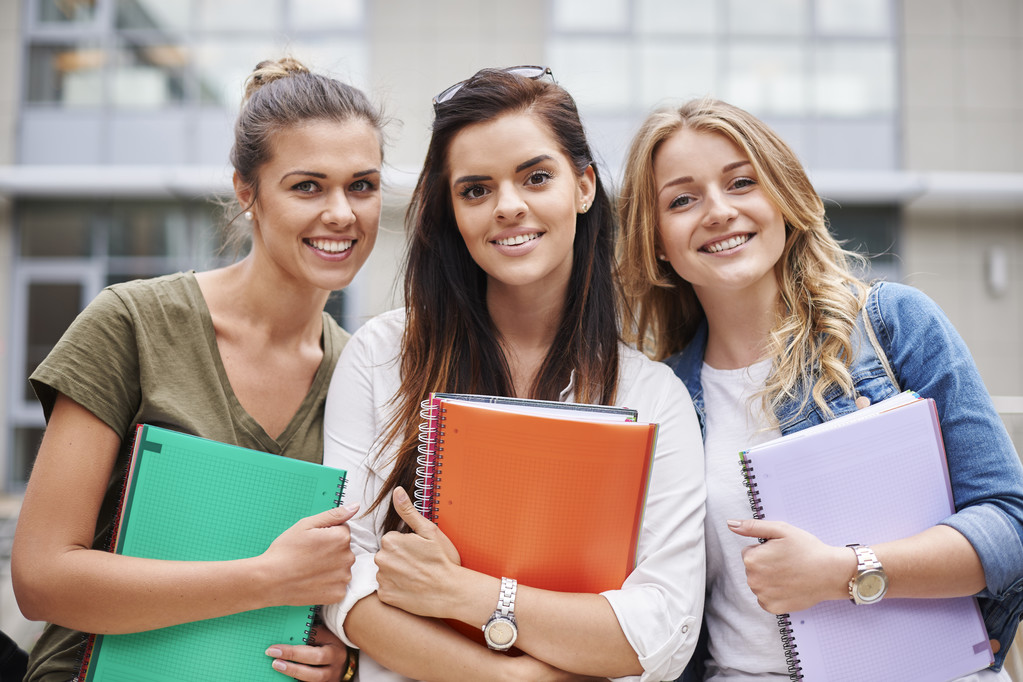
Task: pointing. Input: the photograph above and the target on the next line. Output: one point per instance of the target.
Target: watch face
(500, 633)
(871, 586)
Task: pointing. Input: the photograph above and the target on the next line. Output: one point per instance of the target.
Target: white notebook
(869, 477)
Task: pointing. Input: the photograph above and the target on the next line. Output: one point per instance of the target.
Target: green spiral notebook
(192, 499)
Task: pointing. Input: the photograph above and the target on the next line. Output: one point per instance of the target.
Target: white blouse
(660, 605)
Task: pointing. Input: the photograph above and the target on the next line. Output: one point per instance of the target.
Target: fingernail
(274, 652)
(400, 495)
(280, 665)
(732, 523)
(352, 507)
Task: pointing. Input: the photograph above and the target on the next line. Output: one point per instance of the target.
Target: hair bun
(269, 70)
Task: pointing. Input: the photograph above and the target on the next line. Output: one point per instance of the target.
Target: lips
(330, 245)
(727, 243)
(518, 239)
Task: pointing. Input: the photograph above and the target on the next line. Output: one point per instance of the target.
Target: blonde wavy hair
(810, 343)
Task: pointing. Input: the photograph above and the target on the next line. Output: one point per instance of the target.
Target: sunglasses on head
(530, 72)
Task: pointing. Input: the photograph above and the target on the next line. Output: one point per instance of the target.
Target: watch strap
(506, 599)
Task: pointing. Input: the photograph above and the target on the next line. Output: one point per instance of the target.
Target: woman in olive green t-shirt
(241, 354)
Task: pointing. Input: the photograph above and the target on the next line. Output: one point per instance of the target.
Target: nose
(510, 205)
(718, 209)
(338, 210)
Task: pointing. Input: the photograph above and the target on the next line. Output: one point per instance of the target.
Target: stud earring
(586, 207)
(248, 215)
(661, 256)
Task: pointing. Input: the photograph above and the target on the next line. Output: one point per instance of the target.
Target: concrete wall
(963, 105)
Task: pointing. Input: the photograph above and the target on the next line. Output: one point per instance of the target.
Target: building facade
(115, 126)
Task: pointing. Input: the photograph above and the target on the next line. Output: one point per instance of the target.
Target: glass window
(240, 15)
(677, 70)
(598, 72)
(148, 76)
(158, 15)
(55, 231)
(677, 17)
(767, 78)
(590, 15)
(26, 445)
(870, 231)
(854, 79)
(223, 65)
(145, 230)
(317, 15)
(768, 17)
(854, 17)
(337, 56)
(69, 75)
(65, 11)
(51, 308)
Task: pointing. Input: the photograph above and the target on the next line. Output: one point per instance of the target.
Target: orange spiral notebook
(548, 493)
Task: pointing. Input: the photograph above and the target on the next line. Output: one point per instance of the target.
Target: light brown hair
(820, 296)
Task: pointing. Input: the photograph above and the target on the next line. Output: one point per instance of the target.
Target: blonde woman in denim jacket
(734, 280)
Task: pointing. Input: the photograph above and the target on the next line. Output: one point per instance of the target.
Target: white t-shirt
(660, 604)
(745, 642)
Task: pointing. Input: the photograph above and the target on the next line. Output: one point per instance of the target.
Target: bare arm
(794, 570)
(59, 578)
(419, 573)
(432, 651)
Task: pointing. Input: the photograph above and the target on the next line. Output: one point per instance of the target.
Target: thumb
(408, 512)
(753, 528)
(335, 516)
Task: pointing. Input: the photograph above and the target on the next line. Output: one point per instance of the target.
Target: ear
(242, 191)
(587, 190)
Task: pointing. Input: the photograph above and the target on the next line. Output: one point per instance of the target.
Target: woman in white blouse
(510, 290)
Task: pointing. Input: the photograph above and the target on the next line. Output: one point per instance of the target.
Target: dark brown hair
(450, 343)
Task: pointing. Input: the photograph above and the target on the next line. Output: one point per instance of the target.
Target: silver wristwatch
(870, 583)
(500, 632)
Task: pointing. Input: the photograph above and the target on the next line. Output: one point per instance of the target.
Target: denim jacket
(923, 352)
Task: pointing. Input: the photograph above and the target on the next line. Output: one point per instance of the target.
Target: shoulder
(169, 299)
(180, 285)
(334, 335)
(379, 338)
(644, 380)
(896, 309)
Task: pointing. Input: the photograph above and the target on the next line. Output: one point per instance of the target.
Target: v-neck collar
(239, 415)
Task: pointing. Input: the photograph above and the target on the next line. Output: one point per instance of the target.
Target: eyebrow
(518, 169)
(315, 174)
(689, 178)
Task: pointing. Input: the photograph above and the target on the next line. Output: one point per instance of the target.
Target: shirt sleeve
(95, 363)
(660, 605)
(930, 357)
(360, 391)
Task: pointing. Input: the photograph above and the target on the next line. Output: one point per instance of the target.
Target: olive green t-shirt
(146, 352)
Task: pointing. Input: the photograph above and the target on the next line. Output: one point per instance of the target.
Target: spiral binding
(342, 483)
(428, 458)
(791, 652)
(784, 622)
(310, 625)
(752, 492)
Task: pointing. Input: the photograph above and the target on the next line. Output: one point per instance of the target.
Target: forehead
(687, 147)
(504, 141)
(351, 142)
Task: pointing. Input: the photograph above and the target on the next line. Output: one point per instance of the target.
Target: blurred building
(115, 125)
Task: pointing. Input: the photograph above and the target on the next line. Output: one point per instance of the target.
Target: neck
(526, 324)
(739, 324)
(282, 310)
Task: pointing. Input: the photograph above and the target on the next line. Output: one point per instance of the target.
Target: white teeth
(520, 239)
(330, 245)
(730, 243)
